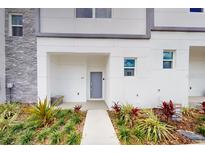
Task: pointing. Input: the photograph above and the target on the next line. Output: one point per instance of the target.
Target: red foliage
(203, 106)
(168, 109)
(135, 111)
(77, 108)
(116, 107)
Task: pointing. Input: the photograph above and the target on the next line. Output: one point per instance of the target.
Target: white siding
(2, 57)
(178, 17)
(123, 21)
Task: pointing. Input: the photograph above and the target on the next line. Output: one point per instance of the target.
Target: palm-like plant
(154, 130)
(44, 111)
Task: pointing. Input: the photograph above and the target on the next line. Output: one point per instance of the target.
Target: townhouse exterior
(138, 56)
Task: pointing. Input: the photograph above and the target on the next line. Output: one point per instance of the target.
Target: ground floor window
(168, 58)
(129, 66)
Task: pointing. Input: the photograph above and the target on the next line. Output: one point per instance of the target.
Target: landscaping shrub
(26, 137)
(153, 129)
(32, 124)
(44, 111)
(7, 118)
(7, 139)
(77, 108)
(125, 134)
(120, 122)
(17, 127)
(116, 107)
(168, 109)
(128, 113)
(43, 134)
(63, 113)
(188, 112)
(201, 130)
(201, 118)
(54, 127)
(73, 138)
(70, 126)
(139, 134)
(61, 121)
(55, 137)
(76, 119)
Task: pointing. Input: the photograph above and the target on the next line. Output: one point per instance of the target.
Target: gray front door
(96, 85)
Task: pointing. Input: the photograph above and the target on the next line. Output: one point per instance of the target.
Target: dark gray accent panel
(104, 36)
(21, 58)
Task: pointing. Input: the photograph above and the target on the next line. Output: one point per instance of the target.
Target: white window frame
(93, 14)
(173, 59)
(10, 24)
(135, 68)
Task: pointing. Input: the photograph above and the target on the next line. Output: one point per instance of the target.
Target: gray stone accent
(21, 58)
(191, 135)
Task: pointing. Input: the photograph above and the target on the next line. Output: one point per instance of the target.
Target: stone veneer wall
(21, 58)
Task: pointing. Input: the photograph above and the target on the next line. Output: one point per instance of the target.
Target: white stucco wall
(197, 71)
(178, 17)
(123, 21)
(2, 57)
(143, 89)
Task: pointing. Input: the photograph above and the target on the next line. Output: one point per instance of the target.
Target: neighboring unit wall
(178, 17)
(197, 71)
(123, 21)
(2, 56)
(21, 58)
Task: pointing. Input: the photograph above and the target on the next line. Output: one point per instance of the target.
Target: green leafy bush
(32, 124)
(125, 134)
(201, 130)
(63, 113)
(61, 121)
(54, 127)
(153, 129)
(69, 127)
(17, 127)
(26, 137)
(43, 134)
(73, 138)
(7, 139)
(7, 119)
(55, 137)
(139, 134)
(76, 119)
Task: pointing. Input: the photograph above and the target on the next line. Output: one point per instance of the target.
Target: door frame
(88, 84)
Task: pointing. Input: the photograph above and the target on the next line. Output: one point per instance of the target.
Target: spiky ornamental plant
(116, 107)
(168, 109)
(44, 111)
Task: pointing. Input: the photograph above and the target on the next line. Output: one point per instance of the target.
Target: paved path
(98, 129)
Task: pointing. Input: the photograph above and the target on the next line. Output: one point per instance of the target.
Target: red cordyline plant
(77, 108)
(203, 106)
(168, 109)
(116, 107)
(135, 111)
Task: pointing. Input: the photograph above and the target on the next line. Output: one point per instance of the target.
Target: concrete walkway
(98, 129)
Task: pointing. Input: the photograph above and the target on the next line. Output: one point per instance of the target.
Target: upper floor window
(168, 59)
(129, 66)
(16, 25)
(196, 10)
(93, 13)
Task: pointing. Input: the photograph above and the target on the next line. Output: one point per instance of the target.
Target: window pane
(103, 12)
(17, 20)
(84, 13)
(168, 55)
(196, 9)
(129, 72)
(17, 31)
(129, 62)
(167, 64)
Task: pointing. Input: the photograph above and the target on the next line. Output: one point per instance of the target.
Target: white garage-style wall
(151, 85)
(197, 71)
(2, 57)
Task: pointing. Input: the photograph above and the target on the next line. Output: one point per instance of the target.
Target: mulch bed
(186, 124)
